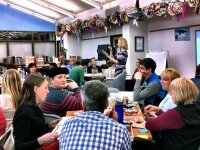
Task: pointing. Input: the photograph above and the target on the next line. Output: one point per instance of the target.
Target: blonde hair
(123, 43)
(184, 91)
(170, 74)
(73, 60)
(12, 85)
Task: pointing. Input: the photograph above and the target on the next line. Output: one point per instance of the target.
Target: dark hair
(53, 64)
(197, 74)
(149, 63)
(95, 95)
(84, 62)
(31, 65)
(139, 59)
(109, 63)
(27, 96)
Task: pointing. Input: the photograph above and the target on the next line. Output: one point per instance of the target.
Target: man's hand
(72, 85)
(53, 123)
(138, 75)
(111, 113)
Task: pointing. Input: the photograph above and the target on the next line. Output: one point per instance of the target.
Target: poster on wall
(182, 34)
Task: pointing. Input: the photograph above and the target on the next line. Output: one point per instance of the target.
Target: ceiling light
(64, 4)
(44, 17)
(21, 9)
(53, 8)
(92, 3)
(32, 13)
(3, 2)
(36, 8)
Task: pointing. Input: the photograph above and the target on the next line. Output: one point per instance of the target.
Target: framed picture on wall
(139, 43)
(182, 34)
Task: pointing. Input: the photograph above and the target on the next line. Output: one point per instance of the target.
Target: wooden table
(135, 130)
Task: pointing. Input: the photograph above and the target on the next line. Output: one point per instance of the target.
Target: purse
(7, 141)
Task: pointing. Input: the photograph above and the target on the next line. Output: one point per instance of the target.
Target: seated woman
(11, 88)
(167, 76)
(32, 70)
(2, 123)
(30, 131)
(180, 126)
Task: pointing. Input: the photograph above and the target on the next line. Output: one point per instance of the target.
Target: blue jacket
(156, 99)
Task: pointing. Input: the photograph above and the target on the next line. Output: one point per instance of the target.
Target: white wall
(141, 30)
(72, 45)
(182, 54)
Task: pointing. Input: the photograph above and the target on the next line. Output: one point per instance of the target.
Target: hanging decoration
(175, 9)
(159, 9)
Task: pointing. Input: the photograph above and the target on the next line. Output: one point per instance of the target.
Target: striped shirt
(59, 101)
(122, 59)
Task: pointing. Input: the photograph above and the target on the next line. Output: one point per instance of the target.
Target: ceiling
(53, 9)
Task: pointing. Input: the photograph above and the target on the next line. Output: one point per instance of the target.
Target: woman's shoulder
(6, 102)
(25, 110)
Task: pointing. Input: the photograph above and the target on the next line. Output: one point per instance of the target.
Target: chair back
(50, 117)
(120, 82)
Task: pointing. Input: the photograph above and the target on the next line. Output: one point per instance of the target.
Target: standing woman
(11, 88)
(120, 61)
(30, 131)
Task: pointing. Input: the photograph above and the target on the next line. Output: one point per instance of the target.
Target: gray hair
(95, 96)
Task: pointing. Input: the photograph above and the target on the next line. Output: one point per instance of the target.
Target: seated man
(93, 130)
(58, 100)
(77, 73)
(152, 92)
(94, 69)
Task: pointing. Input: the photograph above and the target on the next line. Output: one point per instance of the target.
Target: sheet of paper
(143, 136)
(59, 126)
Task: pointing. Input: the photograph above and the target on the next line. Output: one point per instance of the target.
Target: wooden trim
(195, 25)
(96, 38)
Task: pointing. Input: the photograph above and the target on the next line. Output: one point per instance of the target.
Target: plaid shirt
(94, 131)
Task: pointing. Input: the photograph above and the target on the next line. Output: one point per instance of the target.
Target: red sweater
(166, 121)
(2, 122)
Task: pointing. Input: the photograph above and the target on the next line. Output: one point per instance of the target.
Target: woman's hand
(152, 110)
(105, 53)
(53, 123)
(110, 49)
(48, 138)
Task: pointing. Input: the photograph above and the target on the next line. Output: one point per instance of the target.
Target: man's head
(58, 77)
(84, 63)
(95, 96)
(147, 67)
(93, 62)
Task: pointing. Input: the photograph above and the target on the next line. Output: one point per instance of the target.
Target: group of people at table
(170, 104)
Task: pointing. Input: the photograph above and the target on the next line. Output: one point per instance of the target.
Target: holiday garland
(174, 9)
